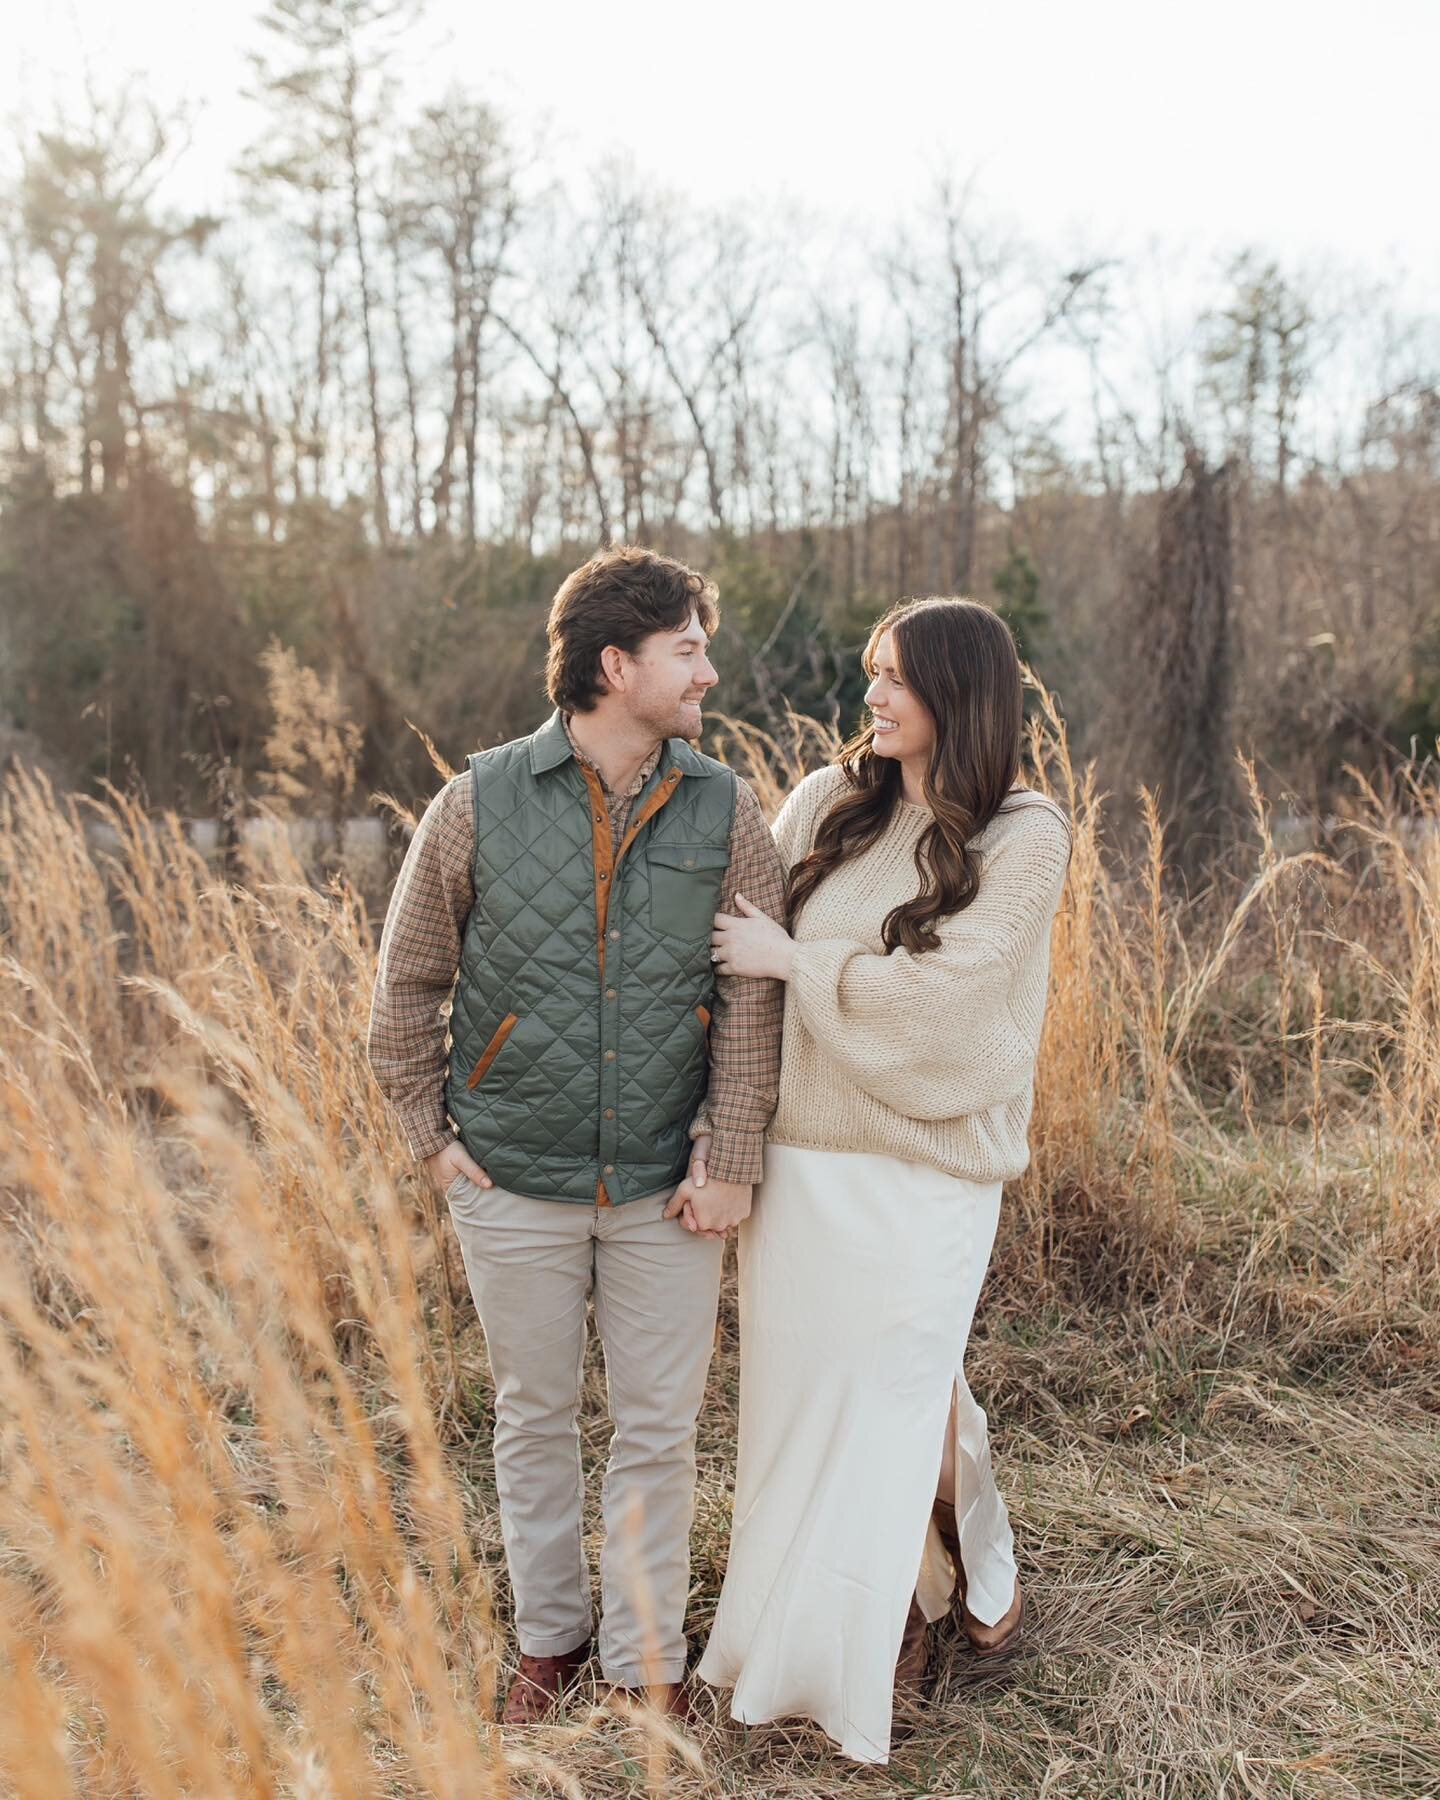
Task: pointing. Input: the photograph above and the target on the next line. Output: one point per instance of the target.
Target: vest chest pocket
(685, 887)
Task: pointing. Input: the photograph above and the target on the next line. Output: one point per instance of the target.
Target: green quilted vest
(583, 1003)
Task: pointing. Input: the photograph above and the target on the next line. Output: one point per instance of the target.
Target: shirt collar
(552, 745)
(642, 774)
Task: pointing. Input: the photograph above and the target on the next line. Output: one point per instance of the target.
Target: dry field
(248, 1543)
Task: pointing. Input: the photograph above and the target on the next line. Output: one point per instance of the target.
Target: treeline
(375, 411)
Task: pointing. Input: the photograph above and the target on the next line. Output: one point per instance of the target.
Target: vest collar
(679, 752)
(550, 746)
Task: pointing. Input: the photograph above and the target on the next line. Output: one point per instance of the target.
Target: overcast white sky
(1310, 128)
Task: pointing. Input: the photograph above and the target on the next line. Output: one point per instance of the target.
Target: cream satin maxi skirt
(858, 1281)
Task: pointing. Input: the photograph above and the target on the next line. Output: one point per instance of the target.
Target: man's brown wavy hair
(619, 597)
(959, 660)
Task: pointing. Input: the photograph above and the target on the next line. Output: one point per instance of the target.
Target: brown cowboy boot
(943, 1514)
(1008, 1639)
(539, 1683)
(914, 1657)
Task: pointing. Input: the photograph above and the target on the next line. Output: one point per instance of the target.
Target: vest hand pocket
(492, 1049)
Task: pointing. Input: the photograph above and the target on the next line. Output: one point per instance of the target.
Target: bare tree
(697, 286)
(460, 206)
(1186, 747)
(325, 83)
(89, 216)
(1257, 359)
(996, 312)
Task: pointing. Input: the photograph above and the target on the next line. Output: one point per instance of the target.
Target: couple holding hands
(670, 1025)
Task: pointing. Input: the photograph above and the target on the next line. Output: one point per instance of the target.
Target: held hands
(750, 944)
(711, 1209)
(446, 1164)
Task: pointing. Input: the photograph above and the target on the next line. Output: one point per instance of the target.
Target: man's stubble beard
(676, 721)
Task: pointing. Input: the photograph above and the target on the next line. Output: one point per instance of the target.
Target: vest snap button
(609, 1168)
(609, 1112)
(615, 933)
(689, 862)
(609, 1056)
(612, 994)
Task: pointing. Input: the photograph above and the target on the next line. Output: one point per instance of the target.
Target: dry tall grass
(248, 1542)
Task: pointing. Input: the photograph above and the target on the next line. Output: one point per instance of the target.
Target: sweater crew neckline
(920, 806)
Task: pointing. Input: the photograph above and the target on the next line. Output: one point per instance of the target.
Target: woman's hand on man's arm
(751, 943)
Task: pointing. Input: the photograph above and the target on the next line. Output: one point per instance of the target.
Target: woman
(922, 884)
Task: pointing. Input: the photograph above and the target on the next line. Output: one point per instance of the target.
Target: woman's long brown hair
(959, 660)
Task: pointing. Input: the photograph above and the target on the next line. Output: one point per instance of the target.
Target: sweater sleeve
(933, 1035)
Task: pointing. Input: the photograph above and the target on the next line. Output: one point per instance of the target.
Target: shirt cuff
(426, 1138)
(737, 1156)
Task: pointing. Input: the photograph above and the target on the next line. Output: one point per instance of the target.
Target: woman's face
(904, 728)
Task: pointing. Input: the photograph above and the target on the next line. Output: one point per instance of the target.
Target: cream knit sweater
(929, 1057)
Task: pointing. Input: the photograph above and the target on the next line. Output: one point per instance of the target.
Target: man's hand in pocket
(453, 1160)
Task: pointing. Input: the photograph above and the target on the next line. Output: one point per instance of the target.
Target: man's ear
(612, 667)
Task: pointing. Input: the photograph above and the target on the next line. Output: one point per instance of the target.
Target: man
(564, 886)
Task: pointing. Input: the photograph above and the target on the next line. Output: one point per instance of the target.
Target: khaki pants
(532, 1265)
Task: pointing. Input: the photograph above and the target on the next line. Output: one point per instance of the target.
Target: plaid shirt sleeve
(419, 960)
(745, 1031)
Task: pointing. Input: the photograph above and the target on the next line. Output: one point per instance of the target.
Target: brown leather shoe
(670, 1697)
(914, 1657)
(539, 1683)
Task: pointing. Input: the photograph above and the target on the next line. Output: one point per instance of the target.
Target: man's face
(667, 678)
